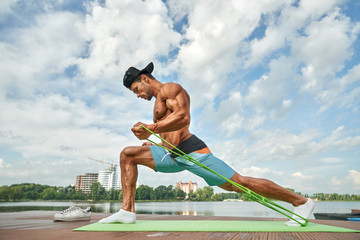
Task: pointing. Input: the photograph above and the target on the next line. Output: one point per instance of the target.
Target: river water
(240, 209)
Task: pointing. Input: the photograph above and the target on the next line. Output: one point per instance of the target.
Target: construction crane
(112, 165)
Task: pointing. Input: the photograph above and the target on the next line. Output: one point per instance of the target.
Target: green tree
(79, 196)
(180, 194)
(192, 196)
(32, 195)
(208, 192)
(65, 193)
(204, 194)
(144, 192)
(16, 193)
(5, 193)
(160, 192)
(48, 193)
(170, 192)
(121, 195)
(217, 197)
(96, 191)
(199, 194)
(113, 194)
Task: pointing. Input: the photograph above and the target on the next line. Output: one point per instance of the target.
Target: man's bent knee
(134, 152)
(127, 152)
(137, 155)
(127, 155)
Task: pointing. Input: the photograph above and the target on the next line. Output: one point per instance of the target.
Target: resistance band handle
(250, 194)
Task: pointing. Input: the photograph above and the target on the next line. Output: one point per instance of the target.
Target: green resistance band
(249, 194)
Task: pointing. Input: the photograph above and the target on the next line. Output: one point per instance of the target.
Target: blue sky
(274, 86)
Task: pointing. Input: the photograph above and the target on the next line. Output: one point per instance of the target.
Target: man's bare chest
(160, 110)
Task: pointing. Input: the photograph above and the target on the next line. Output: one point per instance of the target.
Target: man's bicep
(179, 102)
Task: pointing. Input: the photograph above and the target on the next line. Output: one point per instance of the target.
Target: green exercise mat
(209, 226)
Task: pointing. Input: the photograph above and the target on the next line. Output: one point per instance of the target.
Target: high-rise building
(83, 182)
(110, 178)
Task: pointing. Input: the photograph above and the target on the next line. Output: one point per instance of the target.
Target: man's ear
(144, 78)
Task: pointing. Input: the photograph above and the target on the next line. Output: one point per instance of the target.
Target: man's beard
(149, 93)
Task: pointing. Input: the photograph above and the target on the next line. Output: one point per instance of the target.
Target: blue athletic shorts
(166, 164)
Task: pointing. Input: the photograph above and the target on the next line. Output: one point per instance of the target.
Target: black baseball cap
(132, 73)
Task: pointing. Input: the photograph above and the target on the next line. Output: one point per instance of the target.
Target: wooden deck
(39, 225)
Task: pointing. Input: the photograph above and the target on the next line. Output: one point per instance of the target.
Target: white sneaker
(304, 210)
(121, 216)
(73, 214)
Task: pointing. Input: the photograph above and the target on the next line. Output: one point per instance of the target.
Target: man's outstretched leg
(269, 189)
(130, 157)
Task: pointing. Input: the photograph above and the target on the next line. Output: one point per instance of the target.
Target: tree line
(162, 192)
(32, 191)
(336, 197)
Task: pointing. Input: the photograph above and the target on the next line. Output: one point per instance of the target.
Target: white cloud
(5, 5)
(55, 126)
(3, 164)
(31, 55)
(344, 92)
(352, 76)
(354, 176)
(336, 139)
(124, 34)
(59, 172)
(284, 28)
(301, 175)
(280, 146)
(260, 172)
(331, 160)
(179, 9)
(60, 134)
(352, 180)
(270, 91)
(324, 48)
(268, 96)
(336, 182)
(321, 38)
(284, 110)
(214, 36)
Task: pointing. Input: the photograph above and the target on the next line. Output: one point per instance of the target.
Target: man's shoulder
(169, 89)
(172, 85)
